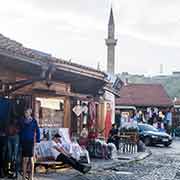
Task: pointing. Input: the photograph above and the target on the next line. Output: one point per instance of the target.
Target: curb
(139, 157)
(143, 156)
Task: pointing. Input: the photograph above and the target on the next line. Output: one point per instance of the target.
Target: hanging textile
(92, 120)
(4, 111)
(85, 113)
(108, 121)
(92, 114)
(20, 104)
(77, 110)
(13, 108)
(18, 107)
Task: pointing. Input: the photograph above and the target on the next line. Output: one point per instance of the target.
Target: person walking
(30, 134)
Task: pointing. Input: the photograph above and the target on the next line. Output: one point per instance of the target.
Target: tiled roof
(16, 48)
(143, 95)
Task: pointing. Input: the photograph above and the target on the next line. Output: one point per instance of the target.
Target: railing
(128, 142)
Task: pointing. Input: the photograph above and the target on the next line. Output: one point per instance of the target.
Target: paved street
(163, 164)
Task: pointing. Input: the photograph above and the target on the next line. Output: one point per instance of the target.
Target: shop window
(50, 112)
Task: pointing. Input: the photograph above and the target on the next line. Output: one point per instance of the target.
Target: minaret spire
(111, 43)
(111, 18)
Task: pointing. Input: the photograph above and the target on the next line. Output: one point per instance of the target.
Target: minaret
(111, 42)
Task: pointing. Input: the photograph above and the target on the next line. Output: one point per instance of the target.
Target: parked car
(151, 136)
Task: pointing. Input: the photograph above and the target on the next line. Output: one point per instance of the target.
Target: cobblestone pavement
(163, 164)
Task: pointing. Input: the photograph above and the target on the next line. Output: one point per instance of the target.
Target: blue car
(151, 136)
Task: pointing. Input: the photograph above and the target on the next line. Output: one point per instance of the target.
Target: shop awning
(15, 56)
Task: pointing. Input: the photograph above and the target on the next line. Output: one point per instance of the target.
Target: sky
(148, 31)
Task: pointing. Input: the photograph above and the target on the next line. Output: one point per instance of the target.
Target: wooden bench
(50, 165)
(44, 158)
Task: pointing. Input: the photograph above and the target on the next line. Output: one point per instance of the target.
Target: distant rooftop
(176, 73)
(144, 95)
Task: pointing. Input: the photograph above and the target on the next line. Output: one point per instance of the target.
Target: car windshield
(147, 128)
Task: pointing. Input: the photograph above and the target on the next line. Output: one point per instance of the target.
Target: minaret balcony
(111, 42)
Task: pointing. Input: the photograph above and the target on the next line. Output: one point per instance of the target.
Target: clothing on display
(77, 109)
(10, 109)
(84, 133)
(85, 113)
(92, 114)
(5, 110)
(155, 111)
(100, 149)
(108, 121)
(149, 111)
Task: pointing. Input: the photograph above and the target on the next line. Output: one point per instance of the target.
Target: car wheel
(166, 144)
(147, 141)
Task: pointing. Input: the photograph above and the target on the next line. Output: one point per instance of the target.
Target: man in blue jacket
(30, 134)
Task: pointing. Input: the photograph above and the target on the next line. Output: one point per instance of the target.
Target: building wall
(9, 75)
(58, 87)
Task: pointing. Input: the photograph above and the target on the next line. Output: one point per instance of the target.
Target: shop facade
(62, 94)
(143, 98)
(176, 113)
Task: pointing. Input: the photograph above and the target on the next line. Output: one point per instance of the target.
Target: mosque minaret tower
(111, 43)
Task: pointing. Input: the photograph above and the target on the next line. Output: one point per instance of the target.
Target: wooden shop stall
(52, 87)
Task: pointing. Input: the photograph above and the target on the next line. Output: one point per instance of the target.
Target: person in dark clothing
(29, 135)
(3, 140)
(60, 154)
(12, 132)
(113, 136)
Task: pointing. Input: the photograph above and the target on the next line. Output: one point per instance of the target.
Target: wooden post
(101, 118)
(67, 113)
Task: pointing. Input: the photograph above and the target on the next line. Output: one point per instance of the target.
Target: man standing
(168, 121)
(30, 134)
(60, 154)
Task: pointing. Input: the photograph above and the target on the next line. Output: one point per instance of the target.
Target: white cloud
(154, 21)
(147, 30)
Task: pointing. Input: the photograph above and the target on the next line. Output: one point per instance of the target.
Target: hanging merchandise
(156, 110)
(78, 112)
(77, 109)
(78, 125)
(4, 111)
(92, 114)
(13, 108)
(108, 121)
(92, 120)
(18, 108)
(85, 113)
(149, 111)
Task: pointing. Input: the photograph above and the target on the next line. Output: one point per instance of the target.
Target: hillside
(171, 83)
